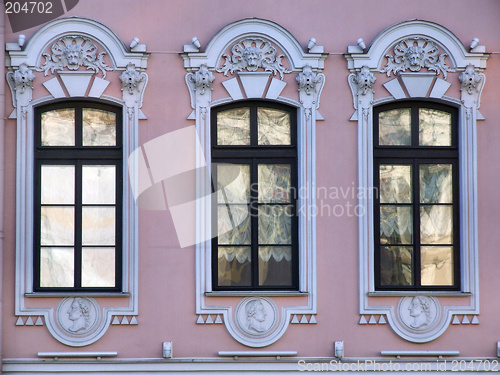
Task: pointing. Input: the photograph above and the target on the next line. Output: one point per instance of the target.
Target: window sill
(272, 293)
(73, 294)
(406, 293)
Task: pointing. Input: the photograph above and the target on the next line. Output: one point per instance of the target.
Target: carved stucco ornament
(21, 85)
(72, 52)
(131, 78)
(470, 79)
(365, 80)
(202, 79)
(416, 53)
(252, 54)
(308, 80)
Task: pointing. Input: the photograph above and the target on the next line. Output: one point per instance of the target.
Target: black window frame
(79, 156)
(255, 154)
(416, 155)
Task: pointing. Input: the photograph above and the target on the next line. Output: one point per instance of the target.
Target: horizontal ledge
(76, 354)
(256, 293)
(258, 354)
(408, 293)
(74, 294)
(420, 353)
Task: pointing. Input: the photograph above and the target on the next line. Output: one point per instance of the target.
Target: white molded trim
(307, 65)
(470, 65)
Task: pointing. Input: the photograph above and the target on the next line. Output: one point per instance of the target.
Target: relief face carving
(78, 315)
(256, 316)
(419, 313)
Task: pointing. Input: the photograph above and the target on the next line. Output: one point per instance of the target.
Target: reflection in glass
(396, 265)
(99, 127)
(396, 225)
(98, 225)
(275, 224)
(98, 184)
(234, 224)
(436, 265)
(395, 183)
(436, 183)
(434, 127)
(56, 225)
(233, 127)
(58, 184)
(98, 267)
(395, 127)
(234, 266)
(233, 183)
(275, 265)
(274, 183)
(436, 225)
(58, 127)
(273, 127)
(56, 267)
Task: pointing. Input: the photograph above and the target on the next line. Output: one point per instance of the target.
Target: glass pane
(395, 184)
(436, 183)
(234, 266)
(57, 225)
(98, 184)
(56, 267)
(99, 127)
(234, 224)
(395, 127)
(274, 183)
(436, 225)
(275, 265)
(275, 225)
(273, 126)
(396, 265)
(396, 225)
(98, 267)
(98, 225)
(437, 265)
(58, 127)
(233, 183)
(233, 127)
(58, 184)
(434, 128)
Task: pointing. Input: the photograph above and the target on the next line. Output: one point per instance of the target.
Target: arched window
(254, 156)
(78, 195)
(416, 210)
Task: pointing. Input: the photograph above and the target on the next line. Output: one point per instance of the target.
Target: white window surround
(252, 83)
(26, 65)
(415, 81)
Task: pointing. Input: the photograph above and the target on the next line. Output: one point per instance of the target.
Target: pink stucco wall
(167, 272)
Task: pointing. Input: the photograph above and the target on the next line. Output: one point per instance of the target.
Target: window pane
(56, 267)
(98, 184)
(98, 267)
(396, 265)
(58, 184)
(275, 225)
(395, 184)
(99, 127)
(436, 225)
(233, 127)
(437, 265)
(98, 225)
(58, 127)
(233, 183)
(273, 127)
(234, 266)
(395, 127)
(234, 224)
(275, 265)
(396, 225)
(274, 183)
(57, 225)
(434, 128)
(436, 183)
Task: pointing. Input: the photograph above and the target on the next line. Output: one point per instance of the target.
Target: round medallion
(77, 315)
(256, 316)
(419, 313)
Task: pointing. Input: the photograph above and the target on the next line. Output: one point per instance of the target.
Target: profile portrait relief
(420, 312)
(256, 316)
(79, 315)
